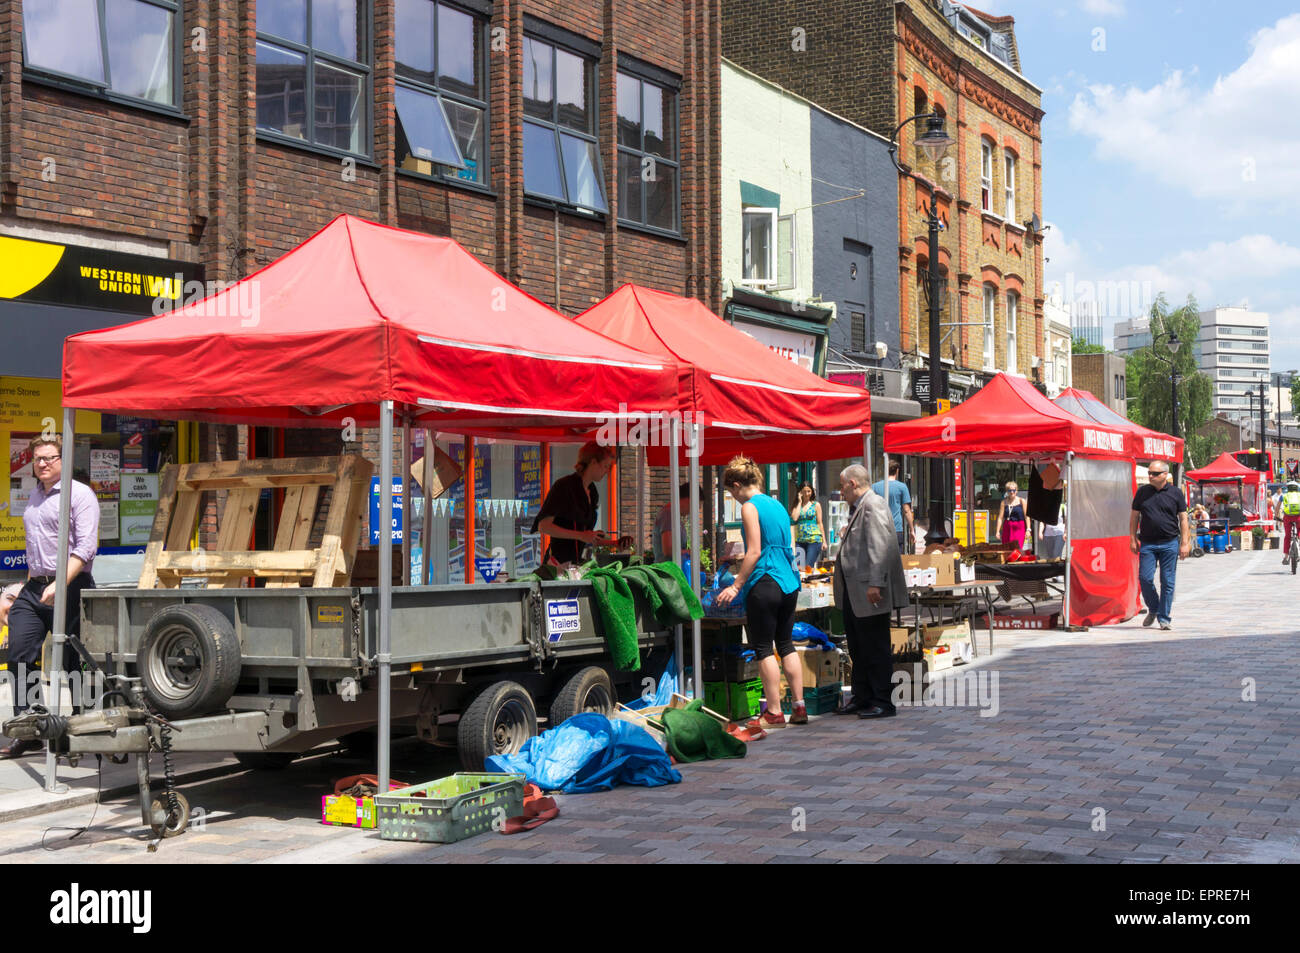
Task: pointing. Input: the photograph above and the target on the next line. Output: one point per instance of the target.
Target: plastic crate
(734, 699)
(821, 700)
(731, 668)
(450, 809)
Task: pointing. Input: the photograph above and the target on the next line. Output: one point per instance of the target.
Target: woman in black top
(568, 514)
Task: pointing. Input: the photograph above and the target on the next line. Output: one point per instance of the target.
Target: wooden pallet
(168, 558)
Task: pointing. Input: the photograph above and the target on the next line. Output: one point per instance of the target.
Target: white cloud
(1103, 8)
(1236, 139)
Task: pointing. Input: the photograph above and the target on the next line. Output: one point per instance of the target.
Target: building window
(648, 174)
(759, 265)
(990, 296)
(441, 95)
(561, 157)
(1009, 186)
(986, 175)
(1013, 307)
(857, 332)
(312, 79)
(124, 47)
(787, 254)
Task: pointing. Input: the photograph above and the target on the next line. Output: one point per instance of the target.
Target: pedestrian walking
(899, 498)
(869, 585)
(1159, 534)
(1011, 518)
(768, 586)
(32, 613)
(809, 531)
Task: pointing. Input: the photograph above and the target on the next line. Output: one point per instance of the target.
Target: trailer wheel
(189, 660)
(265, 760)
(589, 689)
(165, 824)
(498, 721)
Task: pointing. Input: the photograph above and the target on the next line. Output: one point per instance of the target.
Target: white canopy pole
(426, 548)
(60, 627)
(967, 488)
(640, 502)
(697, 648)
(407, 522)
(383, 657)
(1069, 555)
(674, 501)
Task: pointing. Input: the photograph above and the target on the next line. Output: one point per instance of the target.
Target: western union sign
(50, 273)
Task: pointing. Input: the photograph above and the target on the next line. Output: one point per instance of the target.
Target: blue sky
(1171, 149)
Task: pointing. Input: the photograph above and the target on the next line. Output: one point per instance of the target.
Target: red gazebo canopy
(1146, 444)
(1224, 470)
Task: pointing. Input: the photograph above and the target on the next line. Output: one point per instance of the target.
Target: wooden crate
(168, 558)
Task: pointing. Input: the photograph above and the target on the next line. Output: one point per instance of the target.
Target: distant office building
(1132, 335)
(1085, 321)
(1233, 350)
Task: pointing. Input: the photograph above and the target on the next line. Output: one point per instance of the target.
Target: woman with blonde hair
(768, 586)
(568, 514)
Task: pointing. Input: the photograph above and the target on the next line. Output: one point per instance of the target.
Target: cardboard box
(965, 571)
(908, 682)
(942, 563)
(340, 810)
(932, 635)
(940, 657)
(921, 576)
(819, 667)
(899, 639)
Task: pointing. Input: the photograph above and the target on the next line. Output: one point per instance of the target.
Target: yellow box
(981, 526)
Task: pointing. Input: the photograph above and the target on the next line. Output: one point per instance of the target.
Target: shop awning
(1225, 470)
(751, 400)
(1146, 444)
(358, 314)
(1007, 419)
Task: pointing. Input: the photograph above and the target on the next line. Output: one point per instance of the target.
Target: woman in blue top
(768, 585)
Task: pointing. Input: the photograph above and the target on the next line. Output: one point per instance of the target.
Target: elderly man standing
(32, 614)
(869, 585)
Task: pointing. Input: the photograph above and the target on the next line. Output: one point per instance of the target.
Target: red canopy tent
(1146, 444)
(747, 398)
(363, 321)
(1009, 419)
(1252, 485)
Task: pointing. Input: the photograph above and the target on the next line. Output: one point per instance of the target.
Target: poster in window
(139, 504)
(21, 478)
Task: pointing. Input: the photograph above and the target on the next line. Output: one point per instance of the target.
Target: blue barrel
(1220, 542)
(1203, 540)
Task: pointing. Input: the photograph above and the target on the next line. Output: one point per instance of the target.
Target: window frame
(630, 71)
(91, 87)
(482, 24)
(792, 250)
(772, 214)
(1011, 323)
(367, 95)
(1009, 185)
(990, 328)
(987, 149)
(557, 129)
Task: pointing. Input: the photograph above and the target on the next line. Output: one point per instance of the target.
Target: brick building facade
(264, 129)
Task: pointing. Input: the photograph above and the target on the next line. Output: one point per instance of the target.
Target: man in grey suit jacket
(869, 585)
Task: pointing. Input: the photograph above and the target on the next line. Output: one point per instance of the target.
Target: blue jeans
(1167, 555)
(811, 553)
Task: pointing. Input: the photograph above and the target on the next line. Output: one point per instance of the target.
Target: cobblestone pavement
(1152, 728)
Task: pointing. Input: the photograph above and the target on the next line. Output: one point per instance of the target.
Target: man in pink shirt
(32, 614)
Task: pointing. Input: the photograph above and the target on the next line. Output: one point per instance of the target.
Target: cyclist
(1290, 508)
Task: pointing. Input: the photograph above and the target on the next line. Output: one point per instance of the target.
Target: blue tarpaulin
(589, 752)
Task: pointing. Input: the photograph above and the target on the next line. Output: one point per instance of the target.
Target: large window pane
(582, 172)
(661, 197)
(660, 122)
(423, 129)
(757, 264)
(414, 39)
(629, 111)
(284, 18)
(338, 108)
(63, 35)
(630, 186)
(571, 92)
(281, 90)
(541, 162)
(140, 50)
(460, 54)
(538, 67)
(468, 126)
(337, 27)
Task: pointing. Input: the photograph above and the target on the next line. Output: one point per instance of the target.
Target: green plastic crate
(741, 702)
(820, 701)
(450, 809)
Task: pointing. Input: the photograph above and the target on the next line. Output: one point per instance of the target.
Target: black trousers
(30, 621)
(873, 658)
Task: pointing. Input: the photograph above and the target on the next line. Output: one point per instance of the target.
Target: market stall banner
(1103, 581)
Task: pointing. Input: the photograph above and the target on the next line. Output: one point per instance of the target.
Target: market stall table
(952, 595)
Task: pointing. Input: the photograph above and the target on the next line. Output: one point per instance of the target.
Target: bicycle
(1294, 552)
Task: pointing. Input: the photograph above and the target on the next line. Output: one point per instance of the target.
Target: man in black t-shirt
(1159, 533)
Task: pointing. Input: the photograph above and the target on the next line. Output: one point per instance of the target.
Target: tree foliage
(1080, 346)
(1150, 372)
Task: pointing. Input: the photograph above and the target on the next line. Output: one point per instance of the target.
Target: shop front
(48, 291)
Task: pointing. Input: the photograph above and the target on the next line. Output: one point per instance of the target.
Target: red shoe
(799, 715)
(767, 720)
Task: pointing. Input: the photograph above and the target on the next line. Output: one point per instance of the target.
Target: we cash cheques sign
(78, 276)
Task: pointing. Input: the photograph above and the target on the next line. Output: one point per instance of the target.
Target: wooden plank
(288, 518)
(297, 562)
(335, 521)
(252, 469)
(161, 521)
(184, 514)
(261, 482)
(354, 524)
(296, 520)
(237, 520)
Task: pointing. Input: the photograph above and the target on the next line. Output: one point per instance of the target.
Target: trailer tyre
(589, 689)
(498, 721)
(189, 660)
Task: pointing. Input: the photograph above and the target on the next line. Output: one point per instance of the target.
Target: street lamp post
(1174, 344)
(935, 141)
